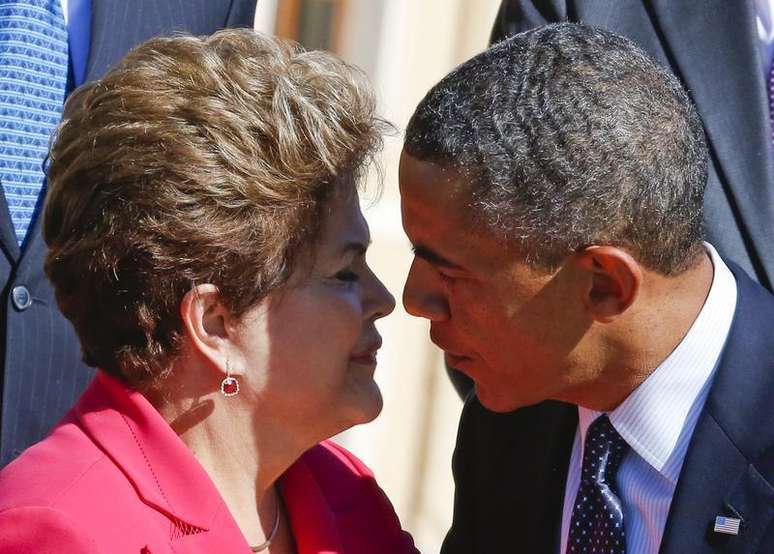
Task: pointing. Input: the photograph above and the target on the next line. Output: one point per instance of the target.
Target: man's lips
(367, 356)
(452, 356)
(455, 360)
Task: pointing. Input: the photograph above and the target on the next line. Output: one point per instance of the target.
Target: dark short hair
(571, 136)
(196, 160)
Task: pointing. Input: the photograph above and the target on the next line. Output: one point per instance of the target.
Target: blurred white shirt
(763, 13)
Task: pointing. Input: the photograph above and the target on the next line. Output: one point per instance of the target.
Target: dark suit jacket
(510, 469)
(42, 372)
(712, 46)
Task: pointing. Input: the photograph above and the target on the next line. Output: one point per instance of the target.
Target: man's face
(512, 329)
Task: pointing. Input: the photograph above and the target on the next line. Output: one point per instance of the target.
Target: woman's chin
(366, 405)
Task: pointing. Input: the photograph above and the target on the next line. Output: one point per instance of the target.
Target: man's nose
(423, 295)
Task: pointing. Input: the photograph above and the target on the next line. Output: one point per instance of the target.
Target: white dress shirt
(657, 421)
(764, 9)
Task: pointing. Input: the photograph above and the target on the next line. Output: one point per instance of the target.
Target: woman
(205, 241)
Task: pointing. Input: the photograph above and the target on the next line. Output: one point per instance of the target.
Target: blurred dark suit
(42, 372)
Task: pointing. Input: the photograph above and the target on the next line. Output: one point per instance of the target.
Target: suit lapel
(34, 240)
(722, 473)
(700, 40)
(8, 242)
(717, 480)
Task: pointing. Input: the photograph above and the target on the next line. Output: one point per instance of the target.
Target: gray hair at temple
(571, 136)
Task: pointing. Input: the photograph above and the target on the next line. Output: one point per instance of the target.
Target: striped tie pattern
(33, 80)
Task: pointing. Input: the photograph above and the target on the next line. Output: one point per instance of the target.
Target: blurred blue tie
(33, 80)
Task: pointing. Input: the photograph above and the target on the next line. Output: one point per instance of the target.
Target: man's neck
(631, 353)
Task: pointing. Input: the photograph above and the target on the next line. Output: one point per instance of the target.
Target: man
(722, 51)
(552, 188)
(42, 372)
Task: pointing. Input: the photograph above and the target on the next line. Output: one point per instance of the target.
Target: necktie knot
(603, 451)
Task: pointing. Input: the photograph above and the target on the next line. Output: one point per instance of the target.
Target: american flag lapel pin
(727, 525)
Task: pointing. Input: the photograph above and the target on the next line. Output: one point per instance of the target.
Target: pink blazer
(114, 478)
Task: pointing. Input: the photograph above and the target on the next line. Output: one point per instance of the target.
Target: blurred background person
(206, 241)
(47, 47)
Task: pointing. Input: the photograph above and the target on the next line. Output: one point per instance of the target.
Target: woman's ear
(615, 278)
(208, 325)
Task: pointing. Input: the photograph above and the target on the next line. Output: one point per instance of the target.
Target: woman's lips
(364, 359)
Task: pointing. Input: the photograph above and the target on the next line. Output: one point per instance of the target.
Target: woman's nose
(382, 302)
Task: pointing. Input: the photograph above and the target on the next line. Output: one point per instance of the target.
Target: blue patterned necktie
(597, 525)
(33, 80)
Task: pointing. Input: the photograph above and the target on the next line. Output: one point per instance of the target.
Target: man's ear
(208, 325)
(615, 279)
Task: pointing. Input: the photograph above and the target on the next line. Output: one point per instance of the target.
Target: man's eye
(347, 275)
(445, 278)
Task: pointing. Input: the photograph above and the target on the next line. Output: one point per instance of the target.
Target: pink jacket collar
(333, 502)
(164, 472)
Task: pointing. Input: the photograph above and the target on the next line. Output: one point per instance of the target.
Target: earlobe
(614, 278)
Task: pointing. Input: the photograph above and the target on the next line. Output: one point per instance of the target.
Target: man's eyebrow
(434, 258)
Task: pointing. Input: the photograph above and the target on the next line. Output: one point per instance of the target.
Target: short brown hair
(196, 160)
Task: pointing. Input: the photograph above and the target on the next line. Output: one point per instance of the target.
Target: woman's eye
(347, 275)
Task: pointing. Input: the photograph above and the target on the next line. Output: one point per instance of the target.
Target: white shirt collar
(764, 9)
(652, 418)
(763, 13)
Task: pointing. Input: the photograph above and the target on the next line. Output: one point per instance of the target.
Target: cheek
(324, 326)
(495, 323)
(475, 312)
(341, 318)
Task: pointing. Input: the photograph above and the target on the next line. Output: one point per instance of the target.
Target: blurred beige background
(405, 46)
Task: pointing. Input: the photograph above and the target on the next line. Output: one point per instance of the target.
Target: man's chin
(496, 401)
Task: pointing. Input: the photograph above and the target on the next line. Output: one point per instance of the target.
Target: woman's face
(309, 351)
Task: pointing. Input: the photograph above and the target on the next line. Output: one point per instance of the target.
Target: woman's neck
(243, 457)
